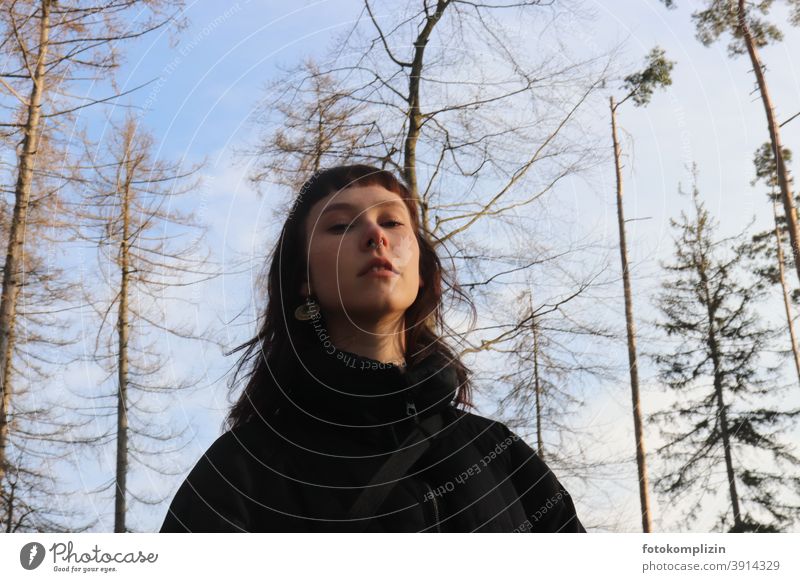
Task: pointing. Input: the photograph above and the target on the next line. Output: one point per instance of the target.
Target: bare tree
(545, 382)
(481, 128)
(47, 47)
(130, 212)
(497, 122)
(38, 429)
(304, 137)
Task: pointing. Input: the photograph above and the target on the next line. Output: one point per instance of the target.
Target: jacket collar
(337, 387)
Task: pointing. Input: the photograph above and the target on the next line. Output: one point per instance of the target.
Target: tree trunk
(414, 114)
(723, 415)
(726, 444)
(123, 329)
(319, 148)
(16, 237)
(7, 383)
(786, 302)
(9, 516)
(631, 330)
(537, 390)
(775, 139)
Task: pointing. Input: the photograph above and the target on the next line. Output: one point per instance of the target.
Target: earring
(308, 310)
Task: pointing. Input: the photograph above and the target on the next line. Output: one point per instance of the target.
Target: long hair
(270, 352)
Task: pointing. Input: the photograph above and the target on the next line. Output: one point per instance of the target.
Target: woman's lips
(380, 272)
(380, 262)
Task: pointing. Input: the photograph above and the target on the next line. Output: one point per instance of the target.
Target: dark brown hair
(270, 351)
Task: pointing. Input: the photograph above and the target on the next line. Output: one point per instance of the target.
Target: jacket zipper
(411, 410)
(435, 507)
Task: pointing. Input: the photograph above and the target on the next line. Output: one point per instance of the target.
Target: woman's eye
(343, 227)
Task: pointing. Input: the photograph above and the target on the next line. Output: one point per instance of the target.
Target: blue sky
(207, 86)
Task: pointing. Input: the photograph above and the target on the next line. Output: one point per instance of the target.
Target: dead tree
(147, 247)
(47, 47)
(481, 131)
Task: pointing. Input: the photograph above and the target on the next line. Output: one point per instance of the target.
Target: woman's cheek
(402, 252)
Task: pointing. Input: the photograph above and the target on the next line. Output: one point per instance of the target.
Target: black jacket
(302, 468)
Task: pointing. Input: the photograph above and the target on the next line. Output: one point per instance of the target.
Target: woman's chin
(376, 308)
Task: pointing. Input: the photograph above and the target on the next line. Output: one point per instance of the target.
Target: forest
(609, 185)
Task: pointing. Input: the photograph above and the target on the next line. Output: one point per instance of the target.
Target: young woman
(353, 416)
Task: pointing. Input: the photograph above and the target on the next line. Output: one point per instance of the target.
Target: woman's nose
(374, 234)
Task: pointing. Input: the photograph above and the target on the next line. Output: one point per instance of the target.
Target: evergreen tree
(770, 260)
(749, 29)
(763, 243)
(639, 87)
(722, 428)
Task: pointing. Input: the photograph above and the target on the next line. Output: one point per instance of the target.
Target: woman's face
(339, 229)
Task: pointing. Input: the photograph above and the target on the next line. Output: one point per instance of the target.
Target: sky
(204, 87)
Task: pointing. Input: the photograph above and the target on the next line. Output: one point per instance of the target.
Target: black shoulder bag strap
(394, 469)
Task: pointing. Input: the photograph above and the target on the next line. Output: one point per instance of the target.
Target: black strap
(394, 469)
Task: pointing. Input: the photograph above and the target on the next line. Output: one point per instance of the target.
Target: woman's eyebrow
(349, 206)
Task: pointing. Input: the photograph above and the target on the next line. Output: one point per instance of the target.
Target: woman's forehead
(359, 199)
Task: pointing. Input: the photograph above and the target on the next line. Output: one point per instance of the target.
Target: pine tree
(766, 249)
(638, 87)
(749, 30)
(722, 429)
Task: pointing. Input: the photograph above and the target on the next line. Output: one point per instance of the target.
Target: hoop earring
(307, 310)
